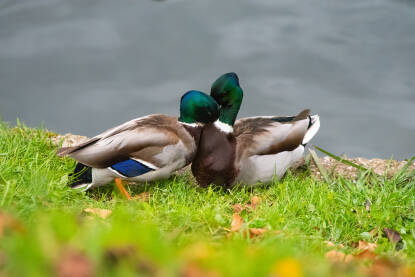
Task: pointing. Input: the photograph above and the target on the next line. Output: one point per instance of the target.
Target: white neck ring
(226, 128)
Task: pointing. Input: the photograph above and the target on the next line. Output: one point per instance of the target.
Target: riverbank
(299, 226)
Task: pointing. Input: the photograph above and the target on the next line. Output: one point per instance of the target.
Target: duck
(252, 150)
(144, 149)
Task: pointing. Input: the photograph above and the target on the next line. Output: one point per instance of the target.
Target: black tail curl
(82, 174)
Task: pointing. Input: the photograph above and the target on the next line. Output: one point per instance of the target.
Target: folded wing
(140, 139)
(267, 135)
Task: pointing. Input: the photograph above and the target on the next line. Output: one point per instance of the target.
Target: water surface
(84, 66)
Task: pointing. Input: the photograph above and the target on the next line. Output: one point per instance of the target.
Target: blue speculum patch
(131, 168)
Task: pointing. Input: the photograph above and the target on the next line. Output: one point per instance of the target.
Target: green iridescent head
(227, 92)
(196, 106)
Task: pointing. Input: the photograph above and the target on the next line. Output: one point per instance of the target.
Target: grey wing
(266, 135)
(121, 143)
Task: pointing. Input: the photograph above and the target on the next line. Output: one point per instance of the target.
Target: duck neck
(193, 129)
(228, 116)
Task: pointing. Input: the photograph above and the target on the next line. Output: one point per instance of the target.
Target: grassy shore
(298, 226)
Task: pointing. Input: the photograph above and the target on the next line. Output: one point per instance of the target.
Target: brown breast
(215, 158)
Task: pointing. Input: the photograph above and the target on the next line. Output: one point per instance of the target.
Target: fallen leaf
(392, 235)
(74, 264)
(9, 222)
(385, 267)
(331, 244)
(287, 268)
(366, 255)
(194, 270)
(338, 257)
(367, 205)
(144, 196)
(254, 232)
(102, 213)
(255, 200)
(237, 222)
(364, 245)
(237, 208)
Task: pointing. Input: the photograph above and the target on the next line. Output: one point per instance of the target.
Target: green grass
(182, 228)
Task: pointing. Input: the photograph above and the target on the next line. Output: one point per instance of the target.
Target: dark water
(84, 66)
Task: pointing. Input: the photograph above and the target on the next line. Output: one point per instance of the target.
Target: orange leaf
(332, 244)
(237, 208)
(366, 255)
(384, 267)
(364, 245)
(338, 257)
(74, 264)
(195, 270)
(255, 200)
(9, 222)
(254, 232)
(102, 213)
(237, 222)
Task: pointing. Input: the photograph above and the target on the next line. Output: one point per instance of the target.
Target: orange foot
(122, 189)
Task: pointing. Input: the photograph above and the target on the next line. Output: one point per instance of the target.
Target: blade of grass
(339, 159)
(320, 167)
(408, 163)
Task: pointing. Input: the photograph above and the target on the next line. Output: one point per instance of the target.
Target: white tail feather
(82, 187)
(312, 131)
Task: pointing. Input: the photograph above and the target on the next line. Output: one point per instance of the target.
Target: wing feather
(270, 134)
(125, 141)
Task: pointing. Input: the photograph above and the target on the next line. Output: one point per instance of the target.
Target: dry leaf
(237, 222)
(373, 232)
(102, 213)
(366, 255)
(74, 264)
(331, 244)
(392, 235)
(144, 196)
(254, 232)
(385, 267)
(9, 222)
(255, 200)
(367, 205)
(237, 208)
(194, 270)
(338, 257)
(364, 245)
